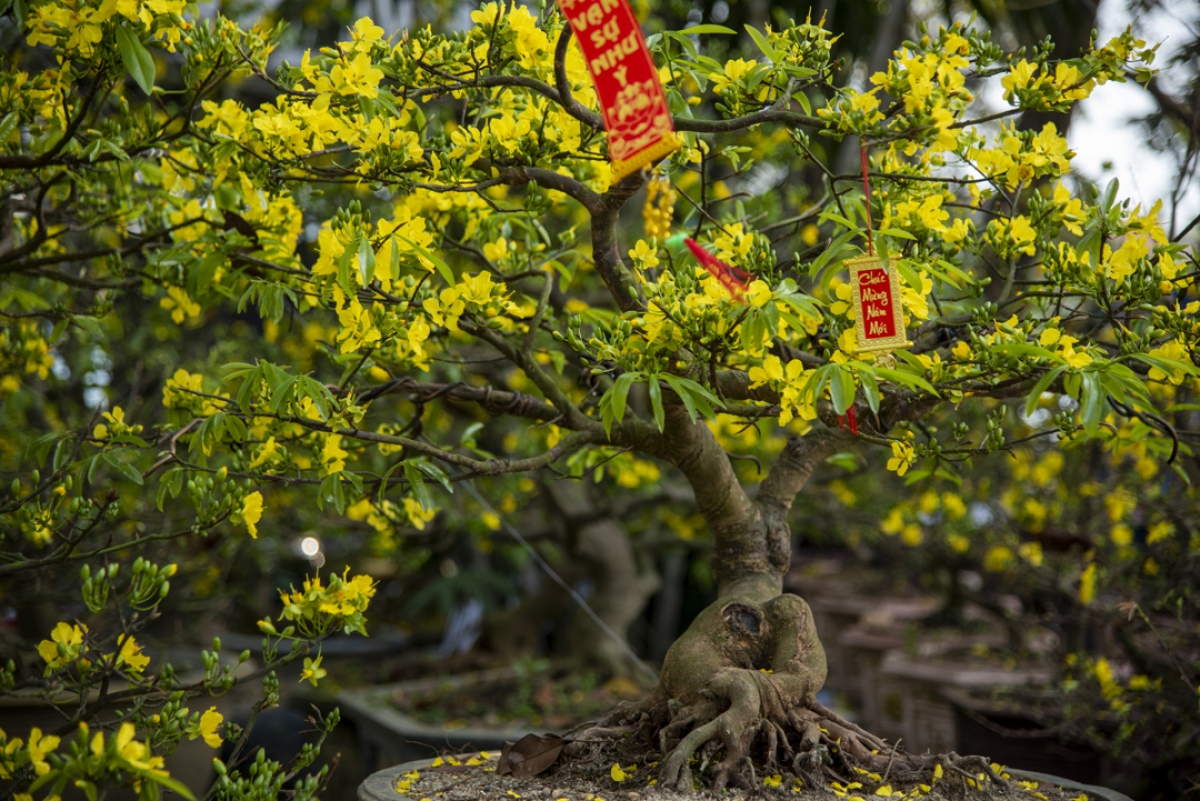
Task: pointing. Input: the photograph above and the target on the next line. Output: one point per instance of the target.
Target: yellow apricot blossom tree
(432, 217)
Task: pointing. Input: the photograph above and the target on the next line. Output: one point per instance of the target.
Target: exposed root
(737, 702)
(737, 746)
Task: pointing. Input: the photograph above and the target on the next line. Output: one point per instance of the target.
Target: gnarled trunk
(739, 686)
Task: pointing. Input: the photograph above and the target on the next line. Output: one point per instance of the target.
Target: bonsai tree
(435, 215)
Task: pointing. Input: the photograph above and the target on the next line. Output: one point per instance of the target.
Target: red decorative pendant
(732, 278)
(640, 131)
(877, 304)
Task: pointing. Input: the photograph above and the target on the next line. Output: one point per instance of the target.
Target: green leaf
(830, 253)
(343, 271)
(468, 435)
(1092, 402)
(1071, 382)
(436, 473)
(250, 385)
(319, 393)
(1114, 386)
(703, 392)
(907, 379)
(656, 402)
(200, 277)
(443, 268)
(909, 275)
(1168, 366)
(419, 490)
(1035, 394)
(9, 124)
(236, 428)
(752, 331)
(698, 29)
(800, 97)
(331, 490)
(366, 261)
(620, 392)
(844, 459)
(164, 486)
(124, 468)
(815, 384)
(1110, 195)
(174, 785)
(282, 393)
(381, 496)
(841, 389)
(137, 58)
(1025, 349)
(676, 383)
(870, 389)
(765, 46)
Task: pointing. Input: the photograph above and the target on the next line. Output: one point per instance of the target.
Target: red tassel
(850, 418)
(733, 279)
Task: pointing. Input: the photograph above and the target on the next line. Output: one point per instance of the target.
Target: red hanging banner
(877, 304)
(632, 102)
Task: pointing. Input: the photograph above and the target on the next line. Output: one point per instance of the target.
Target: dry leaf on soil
(529, 756)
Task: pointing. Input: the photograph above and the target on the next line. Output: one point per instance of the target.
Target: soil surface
(592, 779)
(547, 698)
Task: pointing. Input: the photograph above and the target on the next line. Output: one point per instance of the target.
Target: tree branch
(494, 401)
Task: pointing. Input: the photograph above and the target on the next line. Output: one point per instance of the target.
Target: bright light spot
(980, 514)
(310, 546)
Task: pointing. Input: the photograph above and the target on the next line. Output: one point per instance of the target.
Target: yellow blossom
(39, 747)
(131, 655)
(902, 457)
(209, 722)
(332, 455)
(312, 672)
(69, 638)
(1087, 584)
(252, 509)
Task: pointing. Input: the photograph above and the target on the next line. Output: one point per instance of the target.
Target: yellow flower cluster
(793, 384)
(15, 754)
(417, 515)
(317, 609)
(80, 25)
(178, 393)
(1065, 83)
(116, 425)
(1019, 157)
(64, 646)
(1135, 249)
(659, 208)
(24, 349)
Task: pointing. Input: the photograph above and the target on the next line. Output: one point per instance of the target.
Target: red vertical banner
(632, 102)
(877, 305)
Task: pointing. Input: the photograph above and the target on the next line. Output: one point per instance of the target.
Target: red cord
(867, 199)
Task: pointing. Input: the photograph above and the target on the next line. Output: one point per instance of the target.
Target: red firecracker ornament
(732, 278)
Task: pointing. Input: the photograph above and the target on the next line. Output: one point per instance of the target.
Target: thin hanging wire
(537, 557)
(469, 483)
